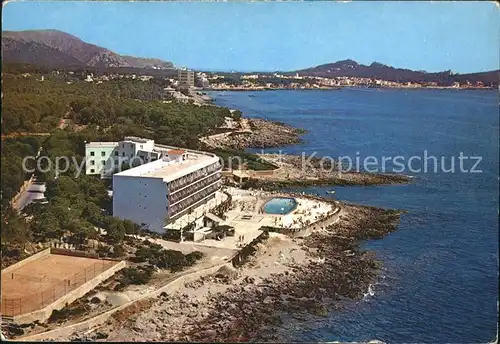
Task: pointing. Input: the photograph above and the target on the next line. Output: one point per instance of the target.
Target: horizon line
(246, 71)
(213, 70)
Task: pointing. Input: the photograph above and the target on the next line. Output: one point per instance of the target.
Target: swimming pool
(279, 206)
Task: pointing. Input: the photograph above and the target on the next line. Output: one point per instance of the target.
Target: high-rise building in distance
(186, 78)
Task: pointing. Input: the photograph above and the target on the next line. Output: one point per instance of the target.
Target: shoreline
(205, 99)
(264, 133)
(316, 174)
(244, 89)
(285, 276)
(290, 173)
(288, 274)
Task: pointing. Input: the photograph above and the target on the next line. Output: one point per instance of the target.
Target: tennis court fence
(27, 304)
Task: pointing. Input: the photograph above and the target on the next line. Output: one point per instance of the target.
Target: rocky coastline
(297, 171)
(294, 170)
(345, 179)
(302, 277)
(308, 276)
(255, 133)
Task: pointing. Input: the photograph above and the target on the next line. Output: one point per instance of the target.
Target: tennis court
(40, 282)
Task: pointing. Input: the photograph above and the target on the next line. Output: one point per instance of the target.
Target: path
(34, 192)
(244, 128)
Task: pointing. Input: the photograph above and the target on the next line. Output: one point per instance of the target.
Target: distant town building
(205, 83)
(186, 78)
(202, 80)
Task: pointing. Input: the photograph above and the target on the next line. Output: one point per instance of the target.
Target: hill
(378, 70)
(23, 52)
(53, 48)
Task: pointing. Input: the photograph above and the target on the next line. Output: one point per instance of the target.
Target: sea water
(439, 281)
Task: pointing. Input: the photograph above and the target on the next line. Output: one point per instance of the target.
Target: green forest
(108, 109)
(105, 111)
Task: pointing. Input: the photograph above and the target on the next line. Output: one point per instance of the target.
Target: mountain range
(381, 71)
(57, 49)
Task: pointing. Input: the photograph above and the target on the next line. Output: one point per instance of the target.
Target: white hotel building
(171, 183)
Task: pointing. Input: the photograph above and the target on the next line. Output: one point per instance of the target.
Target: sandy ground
(284, 274)
(168, 317)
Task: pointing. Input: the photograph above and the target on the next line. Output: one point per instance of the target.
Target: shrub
(224, 230)
(171, 259)
(157, 256)
(193, 257)
(172, 235)
(135, 276)
(142, 254)
(118, 251)
(66, 312)
(103, 251)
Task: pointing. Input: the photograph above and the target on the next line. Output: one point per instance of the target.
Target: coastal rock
(100, 335)
(255, 133)
(249, 280)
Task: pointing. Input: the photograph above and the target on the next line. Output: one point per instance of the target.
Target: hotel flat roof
(170, 170)
(136, 139)
(101, 144)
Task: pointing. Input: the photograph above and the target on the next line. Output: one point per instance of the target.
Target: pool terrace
(247, 215)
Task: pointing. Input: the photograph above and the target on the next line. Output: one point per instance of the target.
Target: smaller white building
(107, 158)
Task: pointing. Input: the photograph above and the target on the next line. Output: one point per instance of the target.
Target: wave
(382, 281)
(369, 293)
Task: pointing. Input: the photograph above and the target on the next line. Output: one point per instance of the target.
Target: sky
(251, 36)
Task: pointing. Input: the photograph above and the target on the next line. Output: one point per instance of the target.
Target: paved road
(34, 191)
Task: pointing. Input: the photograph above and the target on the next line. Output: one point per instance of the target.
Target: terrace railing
(193, 188)
(176, 208)
(177, 184)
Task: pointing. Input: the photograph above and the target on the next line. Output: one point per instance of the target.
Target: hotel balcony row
(186, 203)
(190, 178)
(191, 189)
